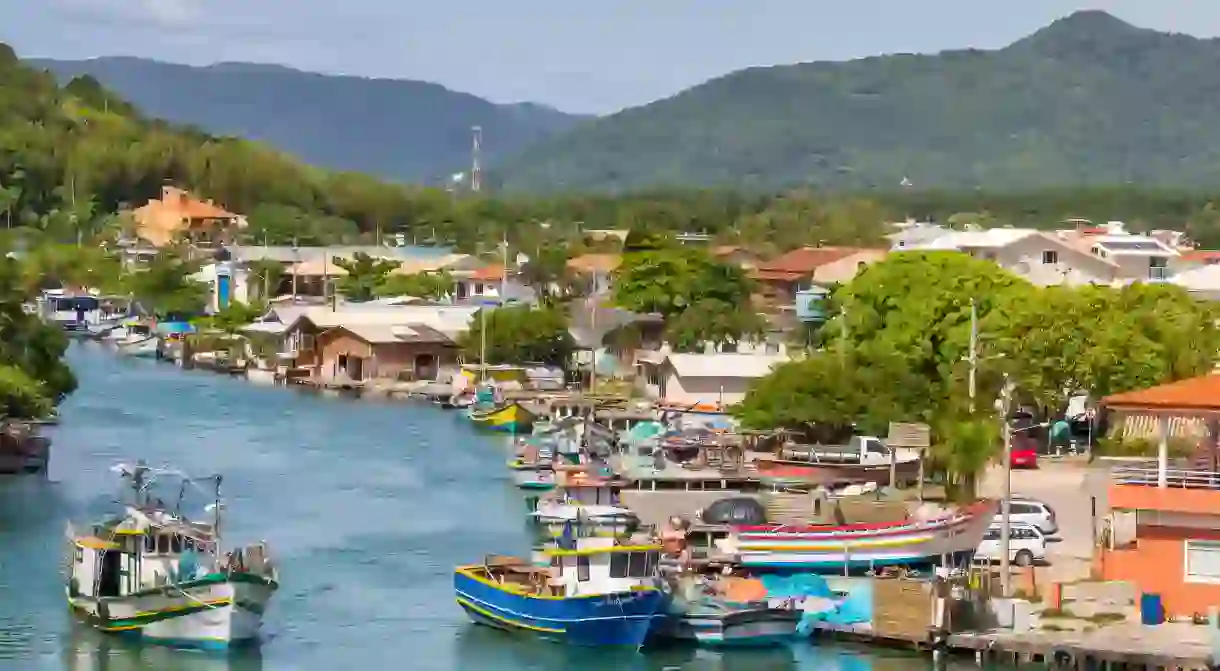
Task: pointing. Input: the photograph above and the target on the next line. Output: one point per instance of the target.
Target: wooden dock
(1123, 646)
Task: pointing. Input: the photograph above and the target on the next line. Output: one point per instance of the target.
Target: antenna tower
(476, 150)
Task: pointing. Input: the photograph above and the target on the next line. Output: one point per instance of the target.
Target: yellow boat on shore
(512, 418)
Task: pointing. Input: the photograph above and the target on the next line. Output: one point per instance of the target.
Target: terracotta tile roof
(492, 273)
(590, 263)
(802, 262)
(1202, 255)
(1196, 393)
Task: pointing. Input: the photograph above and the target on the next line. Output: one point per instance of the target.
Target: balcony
(1180, 489)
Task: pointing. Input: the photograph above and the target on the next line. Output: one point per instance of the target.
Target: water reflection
(484, 648)
(88, 650)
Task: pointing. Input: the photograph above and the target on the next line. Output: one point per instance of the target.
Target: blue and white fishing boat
(594, 592)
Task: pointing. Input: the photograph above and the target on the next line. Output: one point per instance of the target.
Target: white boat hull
(141, 348)
(211, 616)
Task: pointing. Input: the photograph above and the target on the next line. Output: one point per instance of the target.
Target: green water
(367, 506)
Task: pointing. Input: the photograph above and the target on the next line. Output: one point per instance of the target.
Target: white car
(1029, 511)
(1026, 544)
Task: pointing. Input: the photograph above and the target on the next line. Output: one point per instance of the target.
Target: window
(150, 543)
(618, 565)
(175, 544)
(79, 555)
(772, 348)
(582, 568)
(1050, 257)
(1202, 562)
(163, 544)
(638, 567)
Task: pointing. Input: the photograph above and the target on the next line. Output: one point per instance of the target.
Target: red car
(1024, 452)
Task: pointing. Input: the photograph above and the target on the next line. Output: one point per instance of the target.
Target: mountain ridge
(1087, 100)
(408, 130)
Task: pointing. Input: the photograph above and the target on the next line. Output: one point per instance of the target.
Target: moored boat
(511, 418)
(144, 347)
(588, 502)
(535, 480)
(595, 592)
(155, 574)
(949, 539)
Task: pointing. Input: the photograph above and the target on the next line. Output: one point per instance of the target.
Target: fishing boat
(535, 480)
(512, 418)
(594, 592)
(949, 539)
(586, 501)
(863, 459)
(152, 573)
(141, 346)
(707, 611)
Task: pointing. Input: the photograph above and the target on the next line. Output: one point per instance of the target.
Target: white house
(713, 380)
(1042, 258)
(1202, 282)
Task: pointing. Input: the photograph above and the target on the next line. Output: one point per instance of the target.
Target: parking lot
(1067, 487)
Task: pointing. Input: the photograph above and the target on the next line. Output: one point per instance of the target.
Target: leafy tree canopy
(364, 275)
(517, 335)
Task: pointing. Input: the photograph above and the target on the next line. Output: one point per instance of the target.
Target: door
(108, 581)
(224, 285)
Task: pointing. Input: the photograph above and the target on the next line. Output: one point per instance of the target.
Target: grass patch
(1054, 627)
(1056, 614)
(1106, 618)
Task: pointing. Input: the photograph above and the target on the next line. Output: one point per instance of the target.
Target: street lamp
(1005, 406)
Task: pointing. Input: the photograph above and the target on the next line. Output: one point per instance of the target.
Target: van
(1026, 544)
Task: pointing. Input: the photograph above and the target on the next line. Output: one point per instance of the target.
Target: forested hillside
(403, 130)
(1088, 100)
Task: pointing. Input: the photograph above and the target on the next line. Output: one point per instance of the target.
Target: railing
(1178, 478)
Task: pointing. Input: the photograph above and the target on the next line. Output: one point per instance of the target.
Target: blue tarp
(855, 608)
(173, 328)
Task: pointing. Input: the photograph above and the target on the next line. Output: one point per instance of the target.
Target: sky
(588, 57)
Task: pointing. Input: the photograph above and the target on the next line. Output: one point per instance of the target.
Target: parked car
(1024, 453)
(1032, 512)
(1026, 544)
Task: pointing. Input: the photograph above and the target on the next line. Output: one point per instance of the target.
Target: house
(737, 256)
(611, 336)
(712, 380)
(597, 269)
(780, 278)
(489, 282)
(1042, 258)
(1136, 258)
(361, 351)
(1202, 282)
(298, 328)
(1163, 532)
(177, 215)
(911, 233)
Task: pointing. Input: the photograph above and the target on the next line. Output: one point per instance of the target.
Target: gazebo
(1187, 408)
(1163, 533)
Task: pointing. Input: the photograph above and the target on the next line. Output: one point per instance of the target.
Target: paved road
(1067, 488)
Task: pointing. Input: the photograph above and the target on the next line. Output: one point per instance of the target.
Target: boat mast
(216, 517)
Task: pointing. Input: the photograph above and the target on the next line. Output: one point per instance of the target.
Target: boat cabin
(596, 565)
(144, 550)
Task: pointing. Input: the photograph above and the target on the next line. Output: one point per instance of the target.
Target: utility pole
(504, 275)
(843, 337)
(974, 351)
(296, 261)
(1006, 504)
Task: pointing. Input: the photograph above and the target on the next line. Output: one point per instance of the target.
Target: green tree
(165, 287)
(31, 346)
(917, 305)
(434, 286)
(827, 393)
(364, 275)
(520, 335)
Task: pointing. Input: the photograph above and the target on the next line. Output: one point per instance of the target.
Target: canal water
(367, 507)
